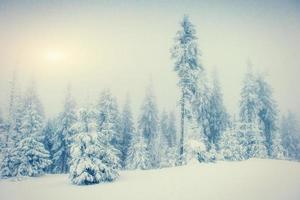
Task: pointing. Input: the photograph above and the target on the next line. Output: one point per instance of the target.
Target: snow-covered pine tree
(167, 140)
(252, 140)
(163, 140)
(33, 158)
(196, 144)
(137, 154)
(250, 103)
(92, 158)
(277, 150)
(230, 146)
(186, 54)
(218, 117)
(148, 125)
(49, 132)
(172, 153)
(3, 134)
(290, 133)
(127, 130)
(172, 131)
(63, 135)
(108, 113)
(268, 115)
(10, 161)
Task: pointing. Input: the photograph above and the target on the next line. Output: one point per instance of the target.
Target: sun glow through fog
(54, 56)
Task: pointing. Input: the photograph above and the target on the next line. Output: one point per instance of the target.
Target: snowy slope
(252, 179)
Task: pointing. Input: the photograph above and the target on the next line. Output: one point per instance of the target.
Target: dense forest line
(93, 142)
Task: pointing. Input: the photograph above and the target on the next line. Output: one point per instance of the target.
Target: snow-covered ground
(252, 179)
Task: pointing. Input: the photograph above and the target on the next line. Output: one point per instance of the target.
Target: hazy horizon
(95, 45)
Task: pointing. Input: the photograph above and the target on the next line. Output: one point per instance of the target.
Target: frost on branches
(138, 156)
(93, 158)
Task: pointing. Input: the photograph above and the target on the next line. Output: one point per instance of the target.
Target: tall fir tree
(167, 140)
(163, 140)
(137, 155)
(186, 63)
(63, 135)
(3, 134)
(218, 117)
(250, 103)
(290, 133)
(108, 115)
(10, 160)
(268, 116)
(49, 132)
(148, 126)
(172, 130)
(127, 130)
(29, 155)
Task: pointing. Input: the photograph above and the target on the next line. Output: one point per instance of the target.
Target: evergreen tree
(230, 145)
(252, 140)
(108, 115)
(277, 150)
(127, 130)
(63, 135)
(137, 154)
(290, 133)
(33, 116)
(3, 134)
(218, 117)
(148, 126)
(33, 158)
(167, 140)
(28, 156)
(49, 132)
(163, 140)
(172, 132)
(250, 103)
(92, 157)
(185, 54)
(10, 160)
(268, 115)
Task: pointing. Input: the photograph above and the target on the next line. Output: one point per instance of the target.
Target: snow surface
(251, 179)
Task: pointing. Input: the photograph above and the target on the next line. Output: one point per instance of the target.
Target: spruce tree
(148, 126)
(250, 103)
(290, 133)
(93, 159)
(137, 154)
(127, 129)
(218, 117)
(32, 157)
(63, 135)
(268, 115)
(186, 63)
(108, 114)
(230, 145)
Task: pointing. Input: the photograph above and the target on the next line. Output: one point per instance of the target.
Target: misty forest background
(93, 142)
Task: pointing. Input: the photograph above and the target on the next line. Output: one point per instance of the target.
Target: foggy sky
(123, 45)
